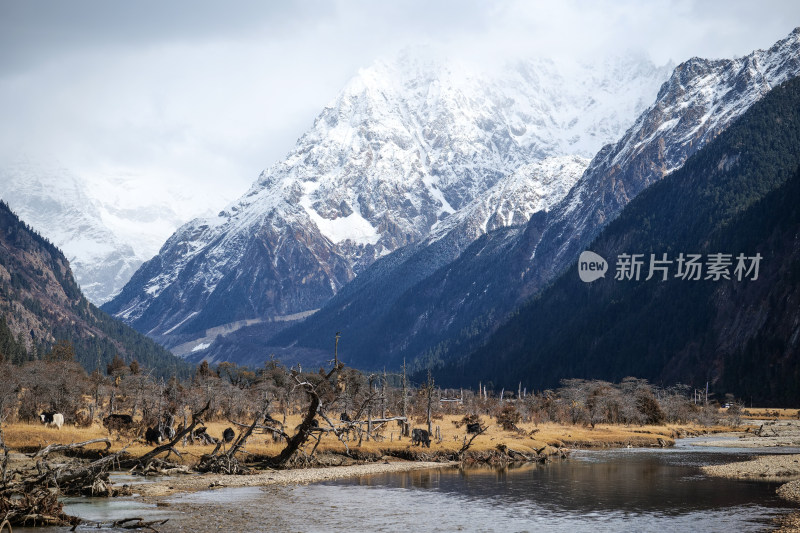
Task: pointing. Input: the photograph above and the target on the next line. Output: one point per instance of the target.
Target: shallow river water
(593, 491)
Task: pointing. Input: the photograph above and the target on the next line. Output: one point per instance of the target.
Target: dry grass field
(761, 413)
(29, 437)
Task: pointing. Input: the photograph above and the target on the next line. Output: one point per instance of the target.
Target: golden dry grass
(29, 437)
(766, 412)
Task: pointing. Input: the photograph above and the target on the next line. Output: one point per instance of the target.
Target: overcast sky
(206, 94)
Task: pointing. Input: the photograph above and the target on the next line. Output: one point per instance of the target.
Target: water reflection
(594, 491)
(657, 488)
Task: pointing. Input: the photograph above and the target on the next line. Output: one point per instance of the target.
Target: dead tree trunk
(429, 391)
(405, 402)
(61, 447)
(304, 430)
(143, 460)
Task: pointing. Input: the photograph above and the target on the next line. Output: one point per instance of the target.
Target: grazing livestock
(228, 435)
(474, 428)
(168, 432)
(201, 434)
(52, 419)
(421, 437)
(314, 424)
(117, 422)
(345, 417)
(269, 421)
(152, 436)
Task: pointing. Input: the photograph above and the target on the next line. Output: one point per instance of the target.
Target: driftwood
(91, 479)
(31, 500)
(467, 444)
(227, 462)
(159, 467)
(138, 523)
(37, 507)
(141, 463)
(44, 452)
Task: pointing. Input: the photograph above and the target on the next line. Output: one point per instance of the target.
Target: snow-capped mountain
(408, 147)
(450, 311)
(536, 186)
(701, 99)
(104, 240)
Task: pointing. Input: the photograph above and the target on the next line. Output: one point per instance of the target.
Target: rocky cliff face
(410, 150)
(41, 303)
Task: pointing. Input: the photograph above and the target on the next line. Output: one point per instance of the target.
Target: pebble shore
(785, 467)
(272, 477)
(765, 467)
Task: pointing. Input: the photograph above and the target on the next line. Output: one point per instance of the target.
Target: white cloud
(191, 97)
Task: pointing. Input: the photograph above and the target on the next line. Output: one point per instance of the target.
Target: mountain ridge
(453, 308)
(42, 304)
(737, 194)
(398, 151)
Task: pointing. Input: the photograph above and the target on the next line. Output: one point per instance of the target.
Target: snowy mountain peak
(405, 146)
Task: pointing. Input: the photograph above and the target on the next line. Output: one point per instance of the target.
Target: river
(592, 491)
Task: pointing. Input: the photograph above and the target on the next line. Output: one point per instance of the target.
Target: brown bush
(647, 404)
(508, 417)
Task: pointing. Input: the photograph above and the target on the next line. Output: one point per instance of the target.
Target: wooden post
(383, 395)
(369, 411)
(336, 350)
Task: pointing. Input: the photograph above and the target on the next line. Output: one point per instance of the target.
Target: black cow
(474, 428)
(269, 421)
(202, 435)
(345, 417)
(168, 432)
(421, 437)
(314, 424)
(116, 422)
(152, 436)
(228, 435)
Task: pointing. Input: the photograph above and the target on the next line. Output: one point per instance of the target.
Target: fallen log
(138, 523)
(37, 507)
(61, 447)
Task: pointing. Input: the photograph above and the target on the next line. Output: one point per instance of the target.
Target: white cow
(52, 419)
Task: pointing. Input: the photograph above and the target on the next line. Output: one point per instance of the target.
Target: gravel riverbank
(765, 467)
(766, 434)
(785, 467)
(296, 476)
